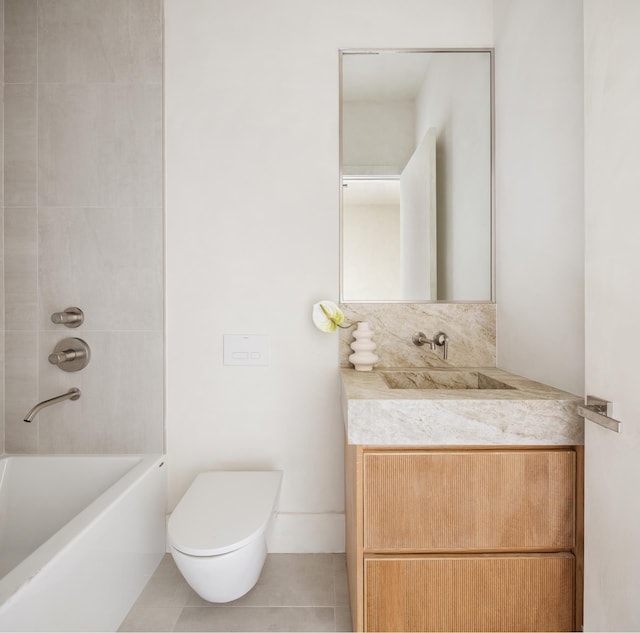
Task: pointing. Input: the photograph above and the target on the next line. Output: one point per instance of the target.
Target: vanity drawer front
(470, 593)
(511, 500)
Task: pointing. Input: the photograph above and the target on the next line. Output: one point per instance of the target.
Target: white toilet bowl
(216, 533)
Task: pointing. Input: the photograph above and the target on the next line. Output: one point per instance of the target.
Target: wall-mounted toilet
(216, 533)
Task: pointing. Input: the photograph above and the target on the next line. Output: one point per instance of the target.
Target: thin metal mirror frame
(491, 51)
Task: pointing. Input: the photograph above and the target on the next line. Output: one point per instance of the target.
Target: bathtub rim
(63, 539)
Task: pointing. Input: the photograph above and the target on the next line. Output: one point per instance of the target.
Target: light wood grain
(470, 593)
(471, 501)
(578, 549)
(354, 523)
(478, 508)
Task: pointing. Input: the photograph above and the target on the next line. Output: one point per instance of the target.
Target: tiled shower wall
(83, 221)
(1, 229)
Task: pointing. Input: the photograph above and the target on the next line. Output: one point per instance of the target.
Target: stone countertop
(522, 412)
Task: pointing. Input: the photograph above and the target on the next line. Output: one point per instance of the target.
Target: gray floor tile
(343, 619)
(340, 584)
(256, 619)
(167, 567)
(166, 588)
(296, 592)
(151, 619)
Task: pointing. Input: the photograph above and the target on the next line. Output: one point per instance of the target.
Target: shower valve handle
(71, 354)
(66, 356)
(71, 317)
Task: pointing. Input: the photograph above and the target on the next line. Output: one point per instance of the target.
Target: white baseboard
(306, 533)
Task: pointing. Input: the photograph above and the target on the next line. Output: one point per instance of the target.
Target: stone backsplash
(471, 328)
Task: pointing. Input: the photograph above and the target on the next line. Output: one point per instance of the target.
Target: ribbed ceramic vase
(364, 356)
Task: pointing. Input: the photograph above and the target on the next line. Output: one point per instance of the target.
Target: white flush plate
(246, 349)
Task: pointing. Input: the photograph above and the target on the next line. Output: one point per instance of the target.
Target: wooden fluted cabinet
(464, 539)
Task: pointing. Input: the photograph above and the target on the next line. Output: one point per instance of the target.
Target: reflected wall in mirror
(416, 147)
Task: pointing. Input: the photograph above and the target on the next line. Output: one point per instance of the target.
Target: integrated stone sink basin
(441, 379)
(448, 406)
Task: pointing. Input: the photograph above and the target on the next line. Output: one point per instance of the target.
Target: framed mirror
(416, 147)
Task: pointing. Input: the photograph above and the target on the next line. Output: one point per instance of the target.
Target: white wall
(539, 189)
(612, 164)
(252, 232)
(371, 247)
(377, 137)
(419, 250)
(455, 99)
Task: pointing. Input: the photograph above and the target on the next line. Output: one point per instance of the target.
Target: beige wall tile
(20, 37)
(87, 135)
(96, 41)
(100, 145)
(2, 392)
(20, 145)
(2, 229)
(121, 406)
(2, 103)
(21, 269)
(106, 261)
(2, 268)
(21, 383)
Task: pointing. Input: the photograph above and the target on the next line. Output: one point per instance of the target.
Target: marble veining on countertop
(523, 412)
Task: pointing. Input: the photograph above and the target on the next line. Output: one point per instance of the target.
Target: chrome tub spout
(72, 394)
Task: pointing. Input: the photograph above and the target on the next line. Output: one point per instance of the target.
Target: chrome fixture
(420, 339)
(72, 394)
(71, 317)
(71, 354)
(599, 411)
(439, 340)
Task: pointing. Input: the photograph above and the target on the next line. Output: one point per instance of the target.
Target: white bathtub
(79, 538)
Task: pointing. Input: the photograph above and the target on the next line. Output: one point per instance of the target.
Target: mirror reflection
(416, 145)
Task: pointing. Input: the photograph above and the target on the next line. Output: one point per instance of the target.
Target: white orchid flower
(328, 317)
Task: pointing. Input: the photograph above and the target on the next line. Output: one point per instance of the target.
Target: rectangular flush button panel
(246, 349)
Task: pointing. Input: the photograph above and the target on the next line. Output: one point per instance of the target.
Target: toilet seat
(222, 511)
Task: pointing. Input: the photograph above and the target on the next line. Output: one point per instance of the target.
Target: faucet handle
(71, 317)
(442, 340)
(66, 356)
(71, 354)
(439, 340)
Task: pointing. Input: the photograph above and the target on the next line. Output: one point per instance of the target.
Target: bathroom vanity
(463, 501)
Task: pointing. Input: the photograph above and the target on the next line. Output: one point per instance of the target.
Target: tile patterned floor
(296, 592)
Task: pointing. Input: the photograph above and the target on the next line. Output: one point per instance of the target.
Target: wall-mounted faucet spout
(420, 339)
(440, 340)
(72, 394)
